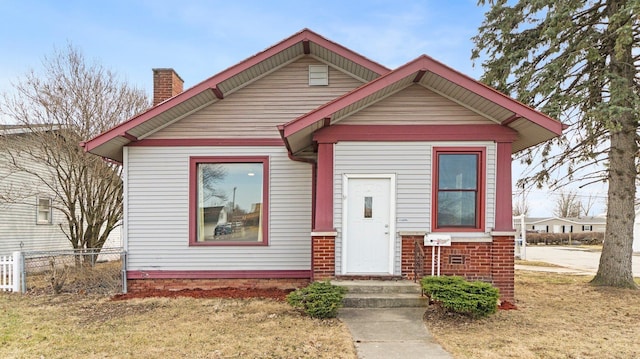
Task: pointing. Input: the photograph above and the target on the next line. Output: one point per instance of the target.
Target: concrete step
(384, 300)
(381, 294)
(379, 286)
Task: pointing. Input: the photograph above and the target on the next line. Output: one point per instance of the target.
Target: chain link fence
(83, 271)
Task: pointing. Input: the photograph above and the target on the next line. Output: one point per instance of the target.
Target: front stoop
(381, 294)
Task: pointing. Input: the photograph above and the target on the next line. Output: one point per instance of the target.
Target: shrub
(476, 299)
(318, 299)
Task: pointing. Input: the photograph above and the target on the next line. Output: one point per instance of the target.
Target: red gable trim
(337, 133)
(492, 95)
(190, 142)
(211, 83)
(327, 110)
(415, 68)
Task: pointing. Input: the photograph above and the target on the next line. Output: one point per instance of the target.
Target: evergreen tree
(577, 61)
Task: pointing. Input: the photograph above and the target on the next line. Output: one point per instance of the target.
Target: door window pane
(368, 207)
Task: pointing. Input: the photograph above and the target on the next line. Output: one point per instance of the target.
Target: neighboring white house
(28, 221)
(564, 225)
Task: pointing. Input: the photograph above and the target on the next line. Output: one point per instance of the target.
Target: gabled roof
(532, 126)
(7, 130)
(216, 88)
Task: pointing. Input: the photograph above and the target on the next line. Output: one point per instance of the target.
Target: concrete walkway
(391, 333)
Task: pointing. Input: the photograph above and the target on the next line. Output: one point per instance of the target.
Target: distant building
(563, 225)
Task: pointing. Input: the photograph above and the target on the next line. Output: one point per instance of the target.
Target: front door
(368, 227)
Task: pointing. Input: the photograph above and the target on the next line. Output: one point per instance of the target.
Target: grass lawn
(558, 316)
(75, 326)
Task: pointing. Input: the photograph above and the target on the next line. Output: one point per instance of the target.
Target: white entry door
(368, 226)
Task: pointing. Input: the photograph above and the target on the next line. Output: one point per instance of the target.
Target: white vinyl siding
(412, 164)
(256, 110)
(18, 221)
(416, 105)
(158, 213)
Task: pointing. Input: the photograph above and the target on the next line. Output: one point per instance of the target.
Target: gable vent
(318, 75)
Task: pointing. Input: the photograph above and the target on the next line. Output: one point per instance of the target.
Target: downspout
(314, 172)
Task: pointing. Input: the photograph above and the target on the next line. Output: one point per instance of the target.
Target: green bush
(318, 299)
(476, 299)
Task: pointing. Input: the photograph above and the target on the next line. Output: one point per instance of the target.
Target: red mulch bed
(236, 293)
(504, 305)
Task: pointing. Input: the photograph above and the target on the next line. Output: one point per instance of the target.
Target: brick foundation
(324, 257)
(137, 285)
(489, 262)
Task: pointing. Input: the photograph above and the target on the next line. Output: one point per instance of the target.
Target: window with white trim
(43, 210)
(458, 189)
(228, 198)
(587, 228)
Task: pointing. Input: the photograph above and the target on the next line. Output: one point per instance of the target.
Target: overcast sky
(201, 38)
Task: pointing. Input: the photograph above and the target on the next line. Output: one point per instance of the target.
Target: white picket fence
(10, 271)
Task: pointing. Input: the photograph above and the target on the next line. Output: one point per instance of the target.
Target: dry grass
(73, 326)
(103, 278)
(558, 316)
(536, 263)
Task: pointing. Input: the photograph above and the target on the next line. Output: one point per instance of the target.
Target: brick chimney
(166, 84)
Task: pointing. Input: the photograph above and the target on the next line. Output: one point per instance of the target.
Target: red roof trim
(338, 133)
(358, 94)
(492, 94)
(191, 142)
(212, 82)
(415, 67)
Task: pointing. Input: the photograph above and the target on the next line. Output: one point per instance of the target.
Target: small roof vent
(318, 75)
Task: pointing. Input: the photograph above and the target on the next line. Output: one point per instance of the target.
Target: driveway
(581, 259)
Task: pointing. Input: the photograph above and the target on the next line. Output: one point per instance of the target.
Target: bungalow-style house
(564, 225)
(329, 164)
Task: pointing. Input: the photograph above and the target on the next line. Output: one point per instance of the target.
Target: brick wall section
(408, 259)
(502, 266)
(488, 262)
(166, 84)
(324, 257)
(137, 285)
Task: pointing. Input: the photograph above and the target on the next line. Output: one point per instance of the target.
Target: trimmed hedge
(318, 299)
(589, 238)
(455, 294)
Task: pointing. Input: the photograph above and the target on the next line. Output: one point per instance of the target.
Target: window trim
(480, 203)
(193, 196)
(50, 220)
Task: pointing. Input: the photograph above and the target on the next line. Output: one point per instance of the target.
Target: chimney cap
(166, 69)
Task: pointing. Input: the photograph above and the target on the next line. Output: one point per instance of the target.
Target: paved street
(580, 259)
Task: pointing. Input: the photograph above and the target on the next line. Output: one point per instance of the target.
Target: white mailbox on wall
(432, 239)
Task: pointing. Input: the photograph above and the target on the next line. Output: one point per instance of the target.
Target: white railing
(10, 270)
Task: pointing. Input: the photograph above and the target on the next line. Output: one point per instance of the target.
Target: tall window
(43, 211)
(458, 189)
(228, 196)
